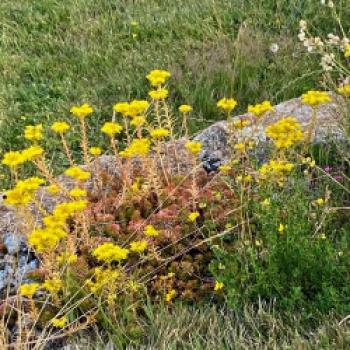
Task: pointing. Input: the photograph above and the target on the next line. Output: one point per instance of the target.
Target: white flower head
(274, 48)
(302, 24)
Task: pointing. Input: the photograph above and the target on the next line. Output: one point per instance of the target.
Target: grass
(58, 52)
(210, 328)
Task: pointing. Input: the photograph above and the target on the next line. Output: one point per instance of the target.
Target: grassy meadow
(58, 53)
(268, 294)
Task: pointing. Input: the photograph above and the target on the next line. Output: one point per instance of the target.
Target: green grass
(55, 53)
(211, 328)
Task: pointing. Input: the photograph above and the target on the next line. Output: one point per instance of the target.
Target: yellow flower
(137, 107)
(23, 192)
(193, 216)
(32, 153)
(60, 127)
(28, 289)
(122, 107)
(185, 108)
(95, 151)
(151, 231)
(65, 258)
(241, 123)
(265, 202)
(193, 146)
(53, 285)
(78, 192)
(227, 104)
(60, 322)
(285, 132)
(344, 90)
(53, 189)
(347, 50)
(157, 77)
(13, 159)
(276, 170)
(315, 98)
(138, 121)
(225, 168)
(33, 132)
(159, 133)
(81, 111)
(45, 239)
(218, 286)
(260, 108)
(239, 147)
(258, 243)
(138, 246)
(281, 228)
(77, 173)
(159, 94)
(109, 252)
(111, 128)
(170, 295)
(138, 147)
(320, 201)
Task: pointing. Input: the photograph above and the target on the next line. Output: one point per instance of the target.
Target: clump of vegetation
(159, 229)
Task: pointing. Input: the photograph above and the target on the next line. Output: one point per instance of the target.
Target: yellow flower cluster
(260, 108)
(33, 132)
(138, 121)
(159, 94)
(132, 109)
(170, 295)
(60, 127)
(77, 173)
(53, 285)
(23, 192)
(81, 111)
(276, 170)
(185, 108)
(315, 98)
(77, 192)
(48, 237)
(28, 289)
(347, 50)
(158, 77)
(60, 322)
(218, 286)
(13, 159)
(102, 278)
(159, 133)
(227, 104)
(151, 231)
(95, 151)
(241, 123)
(193, 216)
(138, 246)
(109, 252)
(285, 132)
(111, 128)
(193, 146)
(138, 147)
(345, 90)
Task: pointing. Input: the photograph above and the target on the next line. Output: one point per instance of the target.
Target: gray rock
(14, 243)
(329, 126)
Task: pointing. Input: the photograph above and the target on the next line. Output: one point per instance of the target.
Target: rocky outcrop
(215, 151)
(329, 127)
